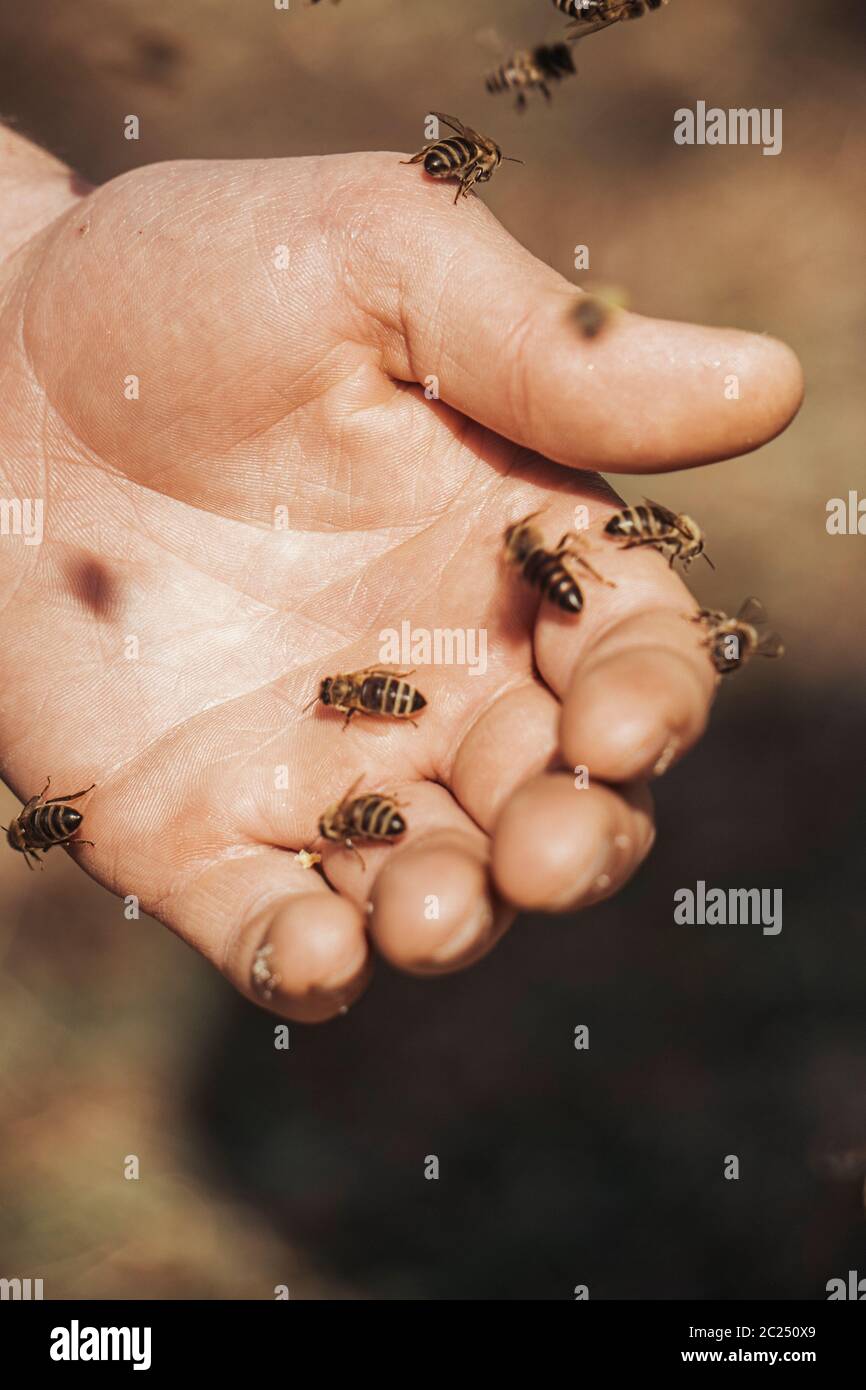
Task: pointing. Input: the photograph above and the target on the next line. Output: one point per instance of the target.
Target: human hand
(164, 639)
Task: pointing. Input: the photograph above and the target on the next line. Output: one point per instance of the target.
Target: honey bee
(467, 156)
(528, 69)
(549, 570)
(589, 16)
(42, 824)
(651, 523)
(732, 641)
(372, 816)
(374, 690)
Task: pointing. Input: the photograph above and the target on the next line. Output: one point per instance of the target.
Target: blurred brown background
(305, 1167)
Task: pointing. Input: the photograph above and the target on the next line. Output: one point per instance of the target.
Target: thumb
(496, 327)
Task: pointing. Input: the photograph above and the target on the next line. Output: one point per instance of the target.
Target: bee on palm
(550, 571)
(41, 824)
(589, 16)
(653, 524)
(466, 156)
(732, 642)
(374, 691)
(373, 816)
(532, 70)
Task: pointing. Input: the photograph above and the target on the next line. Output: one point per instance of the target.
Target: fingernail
(582, 888)
(668, 754)
(473, 930)
(349, 973)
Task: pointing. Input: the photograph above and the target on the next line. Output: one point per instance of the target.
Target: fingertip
(432, 908)
(779, 381)
(635, 712)
(313, 959)
(558, 845)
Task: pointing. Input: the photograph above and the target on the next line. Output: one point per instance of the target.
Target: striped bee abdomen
(374, 818)
(636, 521)
(52, 824)
(547, 572)
(388, 694)
(448, 156)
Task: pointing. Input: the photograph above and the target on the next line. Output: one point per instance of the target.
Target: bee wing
(665, 512)
(752, 611)
(481, 140)
(452, 121)
(344, 800)
(489, 38)
(381, 671)
(582, 28)
(771, 645)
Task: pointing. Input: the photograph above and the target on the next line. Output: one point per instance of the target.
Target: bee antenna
(708, 560)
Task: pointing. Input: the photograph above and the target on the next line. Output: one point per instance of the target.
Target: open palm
(213, 374)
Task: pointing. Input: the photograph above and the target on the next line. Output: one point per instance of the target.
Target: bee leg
(573, 545)
(347, 720)
(73, 797)
(543, 88)
(467, 183)
(357, 854)
(416, 158)
(35, 800)
(630, 542)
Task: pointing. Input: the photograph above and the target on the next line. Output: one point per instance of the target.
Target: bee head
(14, 835)
(325, 691)
(512, 544)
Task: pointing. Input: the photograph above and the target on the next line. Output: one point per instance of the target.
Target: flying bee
(467, 156)
(535, 68)
(42, 824)
(592, 311)
(651, 523)
(373, 816)
(732, 641)
(372, 691)
(549, 570)
(589, 16)
(591, 314)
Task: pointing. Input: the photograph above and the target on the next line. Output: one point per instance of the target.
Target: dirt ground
(301, 1168)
